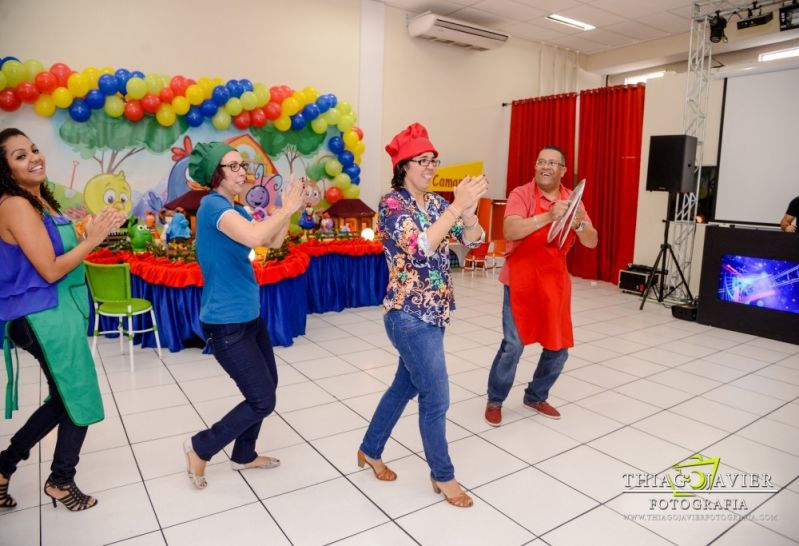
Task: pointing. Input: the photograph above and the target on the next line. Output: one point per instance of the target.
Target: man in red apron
(537, 302)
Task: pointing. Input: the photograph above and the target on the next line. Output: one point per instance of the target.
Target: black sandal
(6, 500)
(74, 501)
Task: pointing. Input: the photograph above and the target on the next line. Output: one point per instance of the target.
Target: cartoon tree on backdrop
(293, 145)
(100, 133)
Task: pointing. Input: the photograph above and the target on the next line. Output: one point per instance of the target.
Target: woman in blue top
(230, 312)
(44, 302)
(414, 224)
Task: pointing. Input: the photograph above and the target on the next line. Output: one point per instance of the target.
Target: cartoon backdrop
(122, 138)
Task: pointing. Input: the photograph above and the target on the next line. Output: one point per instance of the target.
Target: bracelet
(470, 226)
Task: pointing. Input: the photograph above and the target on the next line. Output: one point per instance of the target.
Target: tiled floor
(641, 392)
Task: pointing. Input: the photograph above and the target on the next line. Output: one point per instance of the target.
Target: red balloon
(9, 101)
(258, 117)
(242, 121)
(333, 194)
(178, 85)
(133, 110)
(276, 94)
(358, 132)
(45, 82)
(272, 110)
(27, 92)
(150, 103)
(166, 94)
(61, 72)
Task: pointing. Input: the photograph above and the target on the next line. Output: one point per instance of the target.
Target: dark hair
(9, 186)
(398, 180)
(217, 177)
(556, 149)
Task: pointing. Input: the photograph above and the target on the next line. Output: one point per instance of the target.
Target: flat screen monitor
(765, 283)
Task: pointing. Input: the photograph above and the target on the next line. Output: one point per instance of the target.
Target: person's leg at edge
(390, 407)
(503, 369)
(550, 365)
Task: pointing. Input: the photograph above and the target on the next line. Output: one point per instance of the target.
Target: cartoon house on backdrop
(354, 213)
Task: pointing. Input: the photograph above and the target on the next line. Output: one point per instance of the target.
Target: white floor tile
(529, 440)
(388, 534)
(714, 414)
(249, 524)
(618, 407)
(605, 528)
(747, 532)
(680, 430)
(324, 420)
(653, 393)
(300, 466)
(600, 375)
(640, 450)
(774, 434)
(150, 398)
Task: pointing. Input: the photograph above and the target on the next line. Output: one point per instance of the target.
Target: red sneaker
(493, 415)
(543, 408)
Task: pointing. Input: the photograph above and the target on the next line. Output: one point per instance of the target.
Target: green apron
(61, 332)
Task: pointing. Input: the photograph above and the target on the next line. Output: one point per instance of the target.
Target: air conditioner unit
(451, 31)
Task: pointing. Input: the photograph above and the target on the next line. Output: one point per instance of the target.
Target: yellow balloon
(344, 107)
(353, 191)
(360, 148)
(62, 97)
(106, 70)
(154, 84)
(3, 81)
(34, 67)
(248, 100)
(114, 106)
(166, 115)
(44, 106)
(261, 94)
(357, 159)
(93, 74)
(333, 167)
(319, 125)
(310, 93)
(300, 98)
(136, 88)
(342, 181)
(331, 116)
(283, 123)
(196, 94)
(221, 119)
(207, 85)
(345, 123)
(290, 106)
(233, 106)
(78, 85)
(15, 72)
(181, 105)
(351, 140)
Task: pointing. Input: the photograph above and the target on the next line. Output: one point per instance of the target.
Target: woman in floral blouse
(415, 225)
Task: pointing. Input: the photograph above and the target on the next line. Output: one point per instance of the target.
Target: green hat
(204, 159)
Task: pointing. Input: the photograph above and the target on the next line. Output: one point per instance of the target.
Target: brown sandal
(386, 475)
(461, 501)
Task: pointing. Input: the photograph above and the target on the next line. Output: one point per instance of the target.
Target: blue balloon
(246, 85)
(356, 180)
(79, 111)
(234, 88)
(335, 145)
(137, 74)
(208, 108)
(346, 158)
(95, 99)
(333, 100)
(194, 117)
(353, 170)
(310, 112)
(297, 122)
(122, 77)
(323, 103)
(220, 95)
(108, 84)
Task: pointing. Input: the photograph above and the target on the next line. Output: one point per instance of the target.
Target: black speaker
(671, 163)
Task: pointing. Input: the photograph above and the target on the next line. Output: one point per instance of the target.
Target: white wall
(663, 115)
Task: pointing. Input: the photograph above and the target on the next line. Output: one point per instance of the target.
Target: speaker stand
(659, 268)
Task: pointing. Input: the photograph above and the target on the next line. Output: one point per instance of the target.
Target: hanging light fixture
(717, 26)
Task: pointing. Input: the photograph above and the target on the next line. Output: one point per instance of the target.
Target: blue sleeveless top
(22, 289)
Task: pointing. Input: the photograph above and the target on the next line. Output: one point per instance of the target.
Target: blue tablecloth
(332, 282)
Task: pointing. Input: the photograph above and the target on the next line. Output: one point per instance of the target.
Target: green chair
(109, 285)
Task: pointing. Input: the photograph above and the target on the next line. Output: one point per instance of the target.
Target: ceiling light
(717, 26)
(781, 54)
(643, 77)
(570, 22)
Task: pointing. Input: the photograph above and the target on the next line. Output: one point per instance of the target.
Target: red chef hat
(410, 142)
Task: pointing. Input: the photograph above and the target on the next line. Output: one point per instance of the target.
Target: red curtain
(535, 123)
(611, 120)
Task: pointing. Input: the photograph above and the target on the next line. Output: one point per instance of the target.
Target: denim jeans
(503, 369)
(49, 415)
(244, 350)
(423, 371)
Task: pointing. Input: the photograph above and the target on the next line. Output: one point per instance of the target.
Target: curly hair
(398, 180)
(9, 186)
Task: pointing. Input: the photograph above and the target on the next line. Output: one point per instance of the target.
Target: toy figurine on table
(326, 230)
(139, 235)
(179, 227)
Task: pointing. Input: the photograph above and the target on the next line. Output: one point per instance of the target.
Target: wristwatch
(580, 226)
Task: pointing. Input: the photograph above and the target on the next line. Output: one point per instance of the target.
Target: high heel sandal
(461, 501)
(386, 475)
(6, 500)
(198, 481)
(75, 500)
(271, 462)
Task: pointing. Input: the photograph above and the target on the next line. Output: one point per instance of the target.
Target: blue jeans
(49, 415)
(423, 371)
(503, 369)
(245, 352)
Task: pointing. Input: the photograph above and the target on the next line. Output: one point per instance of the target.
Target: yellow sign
(446, 178)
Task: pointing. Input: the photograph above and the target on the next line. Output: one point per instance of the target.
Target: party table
(314, 277)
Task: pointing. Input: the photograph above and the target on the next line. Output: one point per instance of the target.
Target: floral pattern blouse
(419, 280)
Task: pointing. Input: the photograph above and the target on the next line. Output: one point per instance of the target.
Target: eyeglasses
(427, 162)
(548, 163)
(235, 166)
